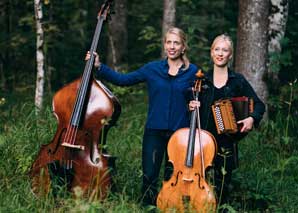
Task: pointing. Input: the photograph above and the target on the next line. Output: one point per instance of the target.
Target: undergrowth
(266, 180)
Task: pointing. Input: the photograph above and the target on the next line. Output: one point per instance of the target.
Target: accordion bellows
(226, 113)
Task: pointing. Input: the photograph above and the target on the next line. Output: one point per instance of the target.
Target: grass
(266, 180)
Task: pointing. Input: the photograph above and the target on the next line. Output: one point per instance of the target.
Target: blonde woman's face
(221, 53)
(173, 46)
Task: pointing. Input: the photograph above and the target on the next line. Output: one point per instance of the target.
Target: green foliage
(144, 31)
(277, 60)
(267, 176)
(272, 152)
(208, 19)
(285, 105)
(20, 141)
(69, 27)
(265, 181)
(150, 34)
(282, 87)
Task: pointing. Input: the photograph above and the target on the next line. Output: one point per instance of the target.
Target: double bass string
(81, 95)
(72, 128)
(69, 138)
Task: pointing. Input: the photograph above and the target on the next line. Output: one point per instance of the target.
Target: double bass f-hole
(191, 151)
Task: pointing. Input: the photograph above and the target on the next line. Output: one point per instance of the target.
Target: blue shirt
(168, 107)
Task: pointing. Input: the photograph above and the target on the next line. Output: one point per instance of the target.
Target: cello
(85, 110)
(191, 151)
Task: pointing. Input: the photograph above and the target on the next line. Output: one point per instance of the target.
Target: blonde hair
(177, 31)
(227, 38)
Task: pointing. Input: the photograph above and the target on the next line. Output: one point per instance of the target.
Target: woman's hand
(247, 124)
(193, 105)
(96, 61)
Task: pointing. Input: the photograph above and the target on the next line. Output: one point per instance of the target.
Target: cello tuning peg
(200, 74)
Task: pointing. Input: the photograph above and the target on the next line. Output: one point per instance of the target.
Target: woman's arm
(259, 106)
(117, 78)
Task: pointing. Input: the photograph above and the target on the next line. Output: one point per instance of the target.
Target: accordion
(227, 112)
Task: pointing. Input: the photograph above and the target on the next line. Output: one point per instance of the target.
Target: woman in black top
(221, 82)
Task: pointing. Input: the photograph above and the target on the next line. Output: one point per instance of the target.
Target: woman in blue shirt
(167, 81)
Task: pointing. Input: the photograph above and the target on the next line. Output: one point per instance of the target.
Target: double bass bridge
(74, 146)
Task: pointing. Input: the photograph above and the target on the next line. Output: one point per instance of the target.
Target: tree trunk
(39, 91)
(169, 17)
(252, 45)
(277, 25)
(118, 36)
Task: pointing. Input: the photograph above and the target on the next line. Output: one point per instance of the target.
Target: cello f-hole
(177, 176)
(199, 181)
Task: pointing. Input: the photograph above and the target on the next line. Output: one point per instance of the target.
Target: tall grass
(266, 180)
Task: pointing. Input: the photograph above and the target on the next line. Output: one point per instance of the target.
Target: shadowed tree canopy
(132, 38)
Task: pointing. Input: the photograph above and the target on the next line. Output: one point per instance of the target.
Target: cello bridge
(187, 180)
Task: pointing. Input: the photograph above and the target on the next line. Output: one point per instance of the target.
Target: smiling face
(173, 46)
(221, 52)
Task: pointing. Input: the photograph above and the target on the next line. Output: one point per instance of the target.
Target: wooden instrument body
(90, 169)
(83, 109)
(191, 151)
(187, 190)
(226, 113)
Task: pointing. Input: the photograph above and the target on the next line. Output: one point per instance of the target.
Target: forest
(43, 46)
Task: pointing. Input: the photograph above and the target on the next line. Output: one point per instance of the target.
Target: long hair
(177, 31)
(224, 37)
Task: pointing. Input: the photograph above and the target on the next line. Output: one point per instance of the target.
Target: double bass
(191, 151)
(85, 110)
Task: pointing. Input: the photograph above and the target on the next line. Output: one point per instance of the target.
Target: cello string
(197, 86)
(200, 142)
